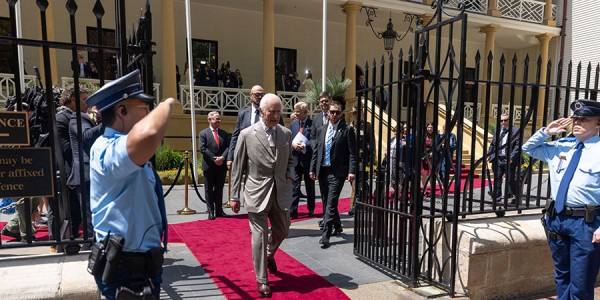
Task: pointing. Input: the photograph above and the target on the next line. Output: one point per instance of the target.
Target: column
(269, 46)
(544, 40)
(548, 20)
(167, 49)
(493, 9)
(351, 8)
(490, 38)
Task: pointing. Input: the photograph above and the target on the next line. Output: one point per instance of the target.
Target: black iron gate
(417, 186)
(398, 209)
(131, 52)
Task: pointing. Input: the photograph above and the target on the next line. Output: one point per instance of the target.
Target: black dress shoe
(324, 241)
(311, 213)
(15, 235)
(264, 290)
(293, 216)
(211, 216)
(223, 215)
(351, 212)
(337, 231)
(272, 265)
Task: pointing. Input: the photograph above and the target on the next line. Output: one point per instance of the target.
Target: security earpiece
(124, 111)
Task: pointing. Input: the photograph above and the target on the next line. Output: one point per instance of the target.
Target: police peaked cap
(585, 108)
(126, 87)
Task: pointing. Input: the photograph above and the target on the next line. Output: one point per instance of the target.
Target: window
(205, 51)
(109, 57)
(5, 49)
(285, 65)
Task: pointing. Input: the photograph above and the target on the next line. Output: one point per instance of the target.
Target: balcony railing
(7, 86)
(229, 101)
(522, 10)
(471, 113)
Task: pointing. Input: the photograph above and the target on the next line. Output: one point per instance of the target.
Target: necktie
(161, 206)
(256, 113)
(216, 137)
(325, 118)
(503, 142)
(328, 143)
(563, 188)
(301, 126)
(270, 137)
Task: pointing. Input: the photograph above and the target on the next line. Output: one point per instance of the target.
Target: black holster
(113, 258)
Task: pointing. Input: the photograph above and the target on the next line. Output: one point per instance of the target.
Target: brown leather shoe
(264, 290)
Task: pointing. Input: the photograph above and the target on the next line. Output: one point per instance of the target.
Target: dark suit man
(89, 133)
(361, 84)
(214, 146)
(264, 153)
(505, 157)
(366, 149)
(302, 154)
(246, 117)
(321, 118)
(332, 162)
(63, 116)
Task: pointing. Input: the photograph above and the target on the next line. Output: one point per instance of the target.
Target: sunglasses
(335, 112)
(260, 95)
(503, 121)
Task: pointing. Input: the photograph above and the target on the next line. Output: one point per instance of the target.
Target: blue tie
(328, 143)
(161, 206)
(563, 188)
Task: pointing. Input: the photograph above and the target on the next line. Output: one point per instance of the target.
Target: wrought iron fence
(132, 52)
(409, 204)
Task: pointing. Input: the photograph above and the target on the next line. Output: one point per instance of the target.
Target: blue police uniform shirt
(585, 185)
(122, 195)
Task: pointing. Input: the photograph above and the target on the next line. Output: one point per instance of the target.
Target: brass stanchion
(186, 210)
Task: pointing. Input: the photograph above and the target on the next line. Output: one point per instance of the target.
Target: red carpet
(41, 234)
(223, 248)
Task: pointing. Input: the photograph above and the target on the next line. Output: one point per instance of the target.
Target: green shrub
(168, 176)
(167, 159)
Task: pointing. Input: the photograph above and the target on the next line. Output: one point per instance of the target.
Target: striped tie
(328, 142)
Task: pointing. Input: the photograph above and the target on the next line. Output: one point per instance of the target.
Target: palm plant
(336, 86)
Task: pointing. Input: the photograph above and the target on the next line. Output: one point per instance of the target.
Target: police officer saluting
(127, 203)
(573, 218)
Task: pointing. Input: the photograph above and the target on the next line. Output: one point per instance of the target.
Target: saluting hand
(558, 126)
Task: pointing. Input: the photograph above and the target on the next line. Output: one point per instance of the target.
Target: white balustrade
(229, 101)
(518, 110)
(522, 10)
(7, 86)
(476, 6)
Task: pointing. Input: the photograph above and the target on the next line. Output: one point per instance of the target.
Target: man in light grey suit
(264, 153)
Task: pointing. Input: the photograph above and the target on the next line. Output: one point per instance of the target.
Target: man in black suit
(332, 162)
(302, 154)
(505, 157)
(321, 118)
(361, 84)
(90, 131)
(63, 116)
(246, 117)
(214, 146)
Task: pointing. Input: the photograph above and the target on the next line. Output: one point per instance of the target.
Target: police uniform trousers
(265, 244)
(576, 258)
(123, 278)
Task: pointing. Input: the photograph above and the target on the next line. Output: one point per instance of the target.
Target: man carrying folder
(302, 153)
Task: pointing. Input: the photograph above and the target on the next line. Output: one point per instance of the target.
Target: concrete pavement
(33, 273)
